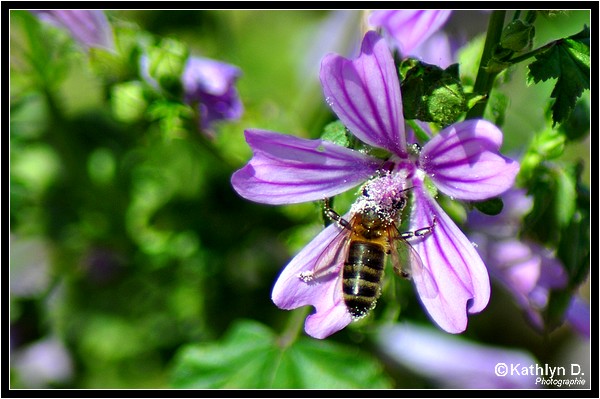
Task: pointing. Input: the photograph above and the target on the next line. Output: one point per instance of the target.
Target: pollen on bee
(307, 276)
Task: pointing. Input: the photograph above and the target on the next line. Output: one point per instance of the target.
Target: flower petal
(452, 361)
(324, 292)
(207, 76)
(287, 169)
(578, 315)
(464, 162)
(461, 277)
(88, 27)
(365, 94)
(409, 28)
(436, 50)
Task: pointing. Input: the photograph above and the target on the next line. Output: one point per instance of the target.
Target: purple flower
(88, 27)
(453, 362)
(462, 161)
(526, 269)
(211, 85)
(578, 315)
(43, 363)
(437, 50)
(406, 30)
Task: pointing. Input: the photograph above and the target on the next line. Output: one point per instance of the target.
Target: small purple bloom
(406, 30)
(578, 315)
(462, 161)
(208, 85)
(454, 362)
(211, 85)
(89, 28)
(526, 269)
(43, 363)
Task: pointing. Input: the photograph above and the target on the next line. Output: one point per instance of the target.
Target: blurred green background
(127, 245)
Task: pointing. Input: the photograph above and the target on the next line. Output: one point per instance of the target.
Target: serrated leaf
(568, 61)
(250, 356)
(577, 126)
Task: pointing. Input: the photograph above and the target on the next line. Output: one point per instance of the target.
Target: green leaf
(492, 206)
(432, 94)
(166, 62)
(454, 209)
(565, 195)
(568, 61)
(337, 133)
(574, 247)
(577, 126)
(46, 51)
(173, 117)
(496, 108)
(517, 35)
(549, 144)
(573, 251)
(553, 188)
(128, 102)
(251, 356)
(466, 56)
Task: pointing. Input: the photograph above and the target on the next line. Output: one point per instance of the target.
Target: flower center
(384, 195)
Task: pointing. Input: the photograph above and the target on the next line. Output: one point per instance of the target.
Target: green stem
(485, 79)
(419, 132)
(532, 53)
(293, 327)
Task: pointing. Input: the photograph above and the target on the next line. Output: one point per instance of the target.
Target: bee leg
(425, 231)
(333, 215)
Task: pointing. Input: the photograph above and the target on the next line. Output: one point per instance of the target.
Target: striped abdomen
(363, 271)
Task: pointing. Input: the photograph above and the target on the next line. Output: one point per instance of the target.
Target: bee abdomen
(362, 276)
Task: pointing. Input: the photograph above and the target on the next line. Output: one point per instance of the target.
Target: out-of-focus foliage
(251, 356)
(133, 263)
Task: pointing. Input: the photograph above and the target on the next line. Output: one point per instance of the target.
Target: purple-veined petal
(365, 94)
(452, 361)
(287, 169)
(461, 277)
(88, 27)
(464, 161)
(324, 292)
(409, 28)
(331, 315)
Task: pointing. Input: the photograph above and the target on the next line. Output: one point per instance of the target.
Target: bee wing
(407, 264)
(333, 255)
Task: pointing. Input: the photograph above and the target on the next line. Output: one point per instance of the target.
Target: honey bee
(364, 243)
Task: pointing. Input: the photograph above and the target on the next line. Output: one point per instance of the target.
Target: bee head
(382, 198)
